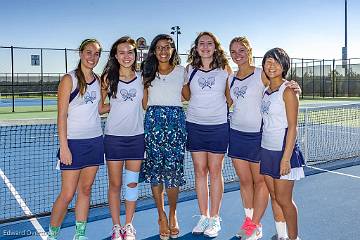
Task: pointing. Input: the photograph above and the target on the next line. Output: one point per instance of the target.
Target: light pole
(344, 49)
(344, 52)
(176, 30)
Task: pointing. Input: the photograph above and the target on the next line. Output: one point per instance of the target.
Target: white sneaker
(201, 226)
(116, 233)
(130, 232)
(214, 227)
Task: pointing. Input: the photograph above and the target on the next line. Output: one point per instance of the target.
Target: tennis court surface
(328, 202)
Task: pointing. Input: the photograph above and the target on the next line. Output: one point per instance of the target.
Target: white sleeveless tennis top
(83, 120)
(246, 94)
(126, 116)
(207, 105)
(275, 121)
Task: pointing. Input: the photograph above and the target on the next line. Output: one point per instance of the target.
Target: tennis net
(28, 158)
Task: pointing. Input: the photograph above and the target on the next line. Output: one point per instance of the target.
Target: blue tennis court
(329, 137)
(327, 204)
(26, 102)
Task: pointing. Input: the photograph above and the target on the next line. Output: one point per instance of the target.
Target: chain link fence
(29, 76)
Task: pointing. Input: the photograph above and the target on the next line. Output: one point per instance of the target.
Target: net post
(306, 148)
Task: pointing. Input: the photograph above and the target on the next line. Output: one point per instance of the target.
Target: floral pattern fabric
(165, 139)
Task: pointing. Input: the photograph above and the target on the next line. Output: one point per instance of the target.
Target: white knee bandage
(131, 193)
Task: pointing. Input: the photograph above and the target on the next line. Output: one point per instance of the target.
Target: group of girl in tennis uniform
(259, 135)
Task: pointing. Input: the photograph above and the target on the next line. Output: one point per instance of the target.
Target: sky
(304, 28)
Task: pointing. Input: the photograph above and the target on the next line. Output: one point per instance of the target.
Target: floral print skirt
(165, 139)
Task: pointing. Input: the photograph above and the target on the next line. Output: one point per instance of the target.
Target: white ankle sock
(249, 212)
(281, 229)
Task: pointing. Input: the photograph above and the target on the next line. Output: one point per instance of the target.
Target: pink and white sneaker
(129, 232)
(117, 232)
(249, 230)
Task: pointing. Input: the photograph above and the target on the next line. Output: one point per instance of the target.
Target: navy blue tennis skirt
(207, 138)
(85, 153)
(245, 145)
(270, 161)
(120, 148)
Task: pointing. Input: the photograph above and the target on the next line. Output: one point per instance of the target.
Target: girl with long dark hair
(124, 132)
(165, 133)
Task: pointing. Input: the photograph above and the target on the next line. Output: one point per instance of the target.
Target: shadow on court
(187, 236)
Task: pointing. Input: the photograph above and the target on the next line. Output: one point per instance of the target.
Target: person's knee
(85, 190)
(283, 201)
(246, 181)
(131, 185)
(260, 183)
(215, 173)
(66, 197)
(114, 186)
(201, 172)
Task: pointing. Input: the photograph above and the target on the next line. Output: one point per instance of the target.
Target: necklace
(275, 88)
(162, 76)
(166, 74)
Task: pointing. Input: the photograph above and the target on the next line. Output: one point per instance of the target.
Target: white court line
(335, 172)
(41, 232)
